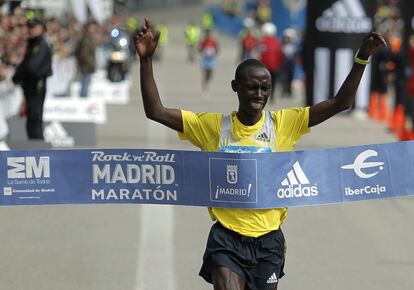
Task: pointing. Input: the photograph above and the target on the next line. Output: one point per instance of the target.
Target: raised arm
(145, 45)
(346, 94)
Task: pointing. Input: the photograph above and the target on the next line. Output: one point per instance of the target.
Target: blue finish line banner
(232, 180)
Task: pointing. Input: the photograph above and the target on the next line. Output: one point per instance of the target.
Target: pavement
(363, 245)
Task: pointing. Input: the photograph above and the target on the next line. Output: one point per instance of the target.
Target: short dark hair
(245, 65)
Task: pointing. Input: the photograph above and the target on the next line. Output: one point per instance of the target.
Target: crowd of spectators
(64, 37)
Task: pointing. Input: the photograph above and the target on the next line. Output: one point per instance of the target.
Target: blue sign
(288, 14)
(210, 179)
(233, 180)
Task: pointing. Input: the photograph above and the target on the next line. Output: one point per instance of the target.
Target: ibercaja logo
(364, 174)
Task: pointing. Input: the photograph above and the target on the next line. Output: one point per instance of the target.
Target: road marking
(155, 268)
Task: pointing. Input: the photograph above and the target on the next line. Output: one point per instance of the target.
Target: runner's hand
(372, 42)
(145, 42)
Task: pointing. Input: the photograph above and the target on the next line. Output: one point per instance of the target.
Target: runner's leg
(225, 279)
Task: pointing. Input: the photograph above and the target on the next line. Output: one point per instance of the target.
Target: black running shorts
(258, 261)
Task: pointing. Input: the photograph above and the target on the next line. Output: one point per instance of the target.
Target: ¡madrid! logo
(296, 184)
(344, 16)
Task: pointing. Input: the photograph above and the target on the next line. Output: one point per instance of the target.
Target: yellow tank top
(257, 222)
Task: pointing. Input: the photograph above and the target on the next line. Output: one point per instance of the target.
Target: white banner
(100, 88)
(85, 110)
(110, 92)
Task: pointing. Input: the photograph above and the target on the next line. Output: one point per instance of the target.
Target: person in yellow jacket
(207, 21)
(192, 37)
(163, 41)
(263, 13)
(246, 247)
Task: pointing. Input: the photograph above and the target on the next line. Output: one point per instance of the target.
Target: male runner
(246, 248)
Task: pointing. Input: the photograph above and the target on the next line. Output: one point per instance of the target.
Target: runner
(208, 49)
(192, 35)
(246, 248)
(271, 54)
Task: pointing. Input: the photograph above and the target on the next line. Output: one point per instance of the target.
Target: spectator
(396, 67)
(4, 25)
(410, 91)
(85, 57)
(289, 49)
(4, 129)
(64, 64)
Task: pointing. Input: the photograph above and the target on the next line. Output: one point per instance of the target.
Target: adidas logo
(295, 176)
(296, 184)
(56, 134)
(344, 16)
(272, 279)
(263, 137)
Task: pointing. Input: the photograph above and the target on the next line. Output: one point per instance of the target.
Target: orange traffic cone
(391, 121)
(395, 119)
(399, 122)
(383, 108)
(403, 135)
(373, 106)
(407, 135)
